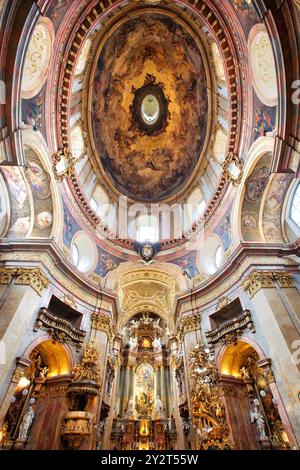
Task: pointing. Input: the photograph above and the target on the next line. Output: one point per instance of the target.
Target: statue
(26, 424)
(244, 373)
(133, 343)
(156, 345)
(159, 408)
(129, 409)
(257, 418)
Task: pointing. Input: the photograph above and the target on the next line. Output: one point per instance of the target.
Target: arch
(37, 143)
(291, 229)
(58, 356)
(259, 148)
(4, 208)
(230, 357)
(181, 283)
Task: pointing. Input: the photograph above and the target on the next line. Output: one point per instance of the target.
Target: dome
(149, 109)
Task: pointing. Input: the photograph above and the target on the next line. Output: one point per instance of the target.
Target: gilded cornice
(52, 258)
(267, 279)
(33, 278)
(258, 280)
(217, 286)
(284, 279)
(7, 275)
(25, 276)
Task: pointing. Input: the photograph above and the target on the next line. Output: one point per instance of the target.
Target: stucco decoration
(147, 61)
(38, 58)
(262, 65)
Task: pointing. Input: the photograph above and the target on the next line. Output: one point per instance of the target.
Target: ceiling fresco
(150, 107)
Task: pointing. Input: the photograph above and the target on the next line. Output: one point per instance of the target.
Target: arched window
(147, 229)
(295, 207)
(220, 145)
(218, 257)
(81, 63)
(77, 143)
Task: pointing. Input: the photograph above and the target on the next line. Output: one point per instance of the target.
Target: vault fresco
(150, 165)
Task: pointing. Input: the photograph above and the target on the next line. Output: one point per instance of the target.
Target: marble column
(274, 299)
(21, 299)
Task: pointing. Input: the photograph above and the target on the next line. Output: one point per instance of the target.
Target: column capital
(25, 276)
(284, 279)
(267, 279)
(187, 325)
(7, 275)
(258, 280)
(103, 323)
(32, 277)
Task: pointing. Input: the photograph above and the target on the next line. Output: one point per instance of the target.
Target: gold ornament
(209, 416)
(65, 158)
(32, 277)
(258, 280)
(231, 164)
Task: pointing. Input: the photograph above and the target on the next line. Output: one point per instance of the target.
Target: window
(295, 208)
(80, 66)
(220, 145)
(84, 252)
(218, 257)
(75, 254)
(77, 143)
(147, 229)
(150, 109)
(211, 256)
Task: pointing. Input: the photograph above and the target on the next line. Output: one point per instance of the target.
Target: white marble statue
(133, 343)
(159, 408)
(129, 409)
(26, 424)
(156, 345)
(257, 418)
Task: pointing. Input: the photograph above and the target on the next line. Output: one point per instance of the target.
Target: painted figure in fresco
(107, 264)
(257, 183)
(262, 123)
(244, 7)
(224, 232)
(26, 424)
(188, 265)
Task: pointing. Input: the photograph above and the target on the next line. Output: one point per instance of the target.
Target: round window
(150, 109)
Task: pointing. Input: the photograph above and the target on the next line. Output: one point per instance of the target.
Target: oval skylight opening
(150, 109)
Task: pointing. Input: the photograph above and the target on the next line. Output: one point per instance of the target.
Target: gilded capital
(188, 324)
(32, 277)
(102, 323)
(7, 275)
(258, 280)
(284, 279)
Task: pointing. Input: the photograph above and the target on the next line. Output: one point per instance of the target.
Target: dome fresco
(149, 226)
(149, 56)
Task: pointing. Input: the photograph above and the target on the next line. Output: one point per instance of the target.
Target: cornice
(48, 253)
(247, 257)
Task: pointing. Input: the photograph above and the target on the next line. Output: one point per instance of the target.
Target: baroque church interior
(149, 224)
